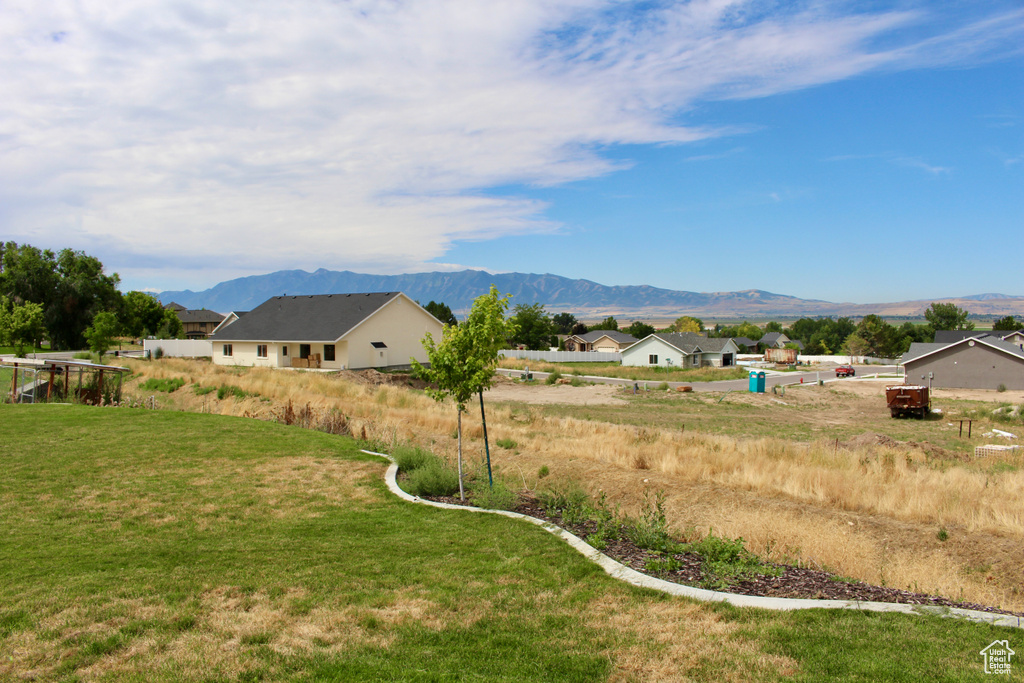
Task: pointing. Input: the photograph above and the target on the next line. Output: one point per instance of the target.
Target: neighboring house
(199, 323)
(684, 350)
(745, 343)
(611, 341)
(774, 340)
(950, 336)
(176, 307)
(971, 363)
(228, 319)
(375, 330)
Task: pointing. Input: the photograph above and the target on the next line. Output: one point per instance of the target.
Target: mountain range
(584, 298)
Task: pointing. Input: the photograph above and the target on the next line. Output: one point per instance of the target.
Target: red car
(845, 371)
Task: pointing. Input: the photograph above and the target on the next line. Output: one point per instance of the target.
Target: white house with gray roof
(338, 331)
(971, 363)
(683, 350)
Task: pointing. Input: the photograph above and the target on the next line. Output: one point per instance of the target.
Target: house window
(652, 359)
(328, 351)
(304, 350)
(261, 350)
(284, 350)
(227, 349)
(696, 360)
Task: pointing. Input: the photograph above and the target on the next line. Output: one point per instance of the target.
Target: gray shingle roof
(918, 349)
(307, 318)
(744, 341)
(770, 338)
(950, 336)
(614, 335)
(690, 341)
(199, 315)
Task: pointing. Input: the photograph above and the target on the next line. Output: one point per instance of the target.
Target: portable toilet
(756, 382)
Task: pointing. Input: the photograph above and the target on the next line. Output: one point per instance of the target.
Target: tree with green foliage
(687, 323)
(773, 327)
(744, 329)
(100, 335)
(170, 326)
(533, 327)
(1007, 324)
(463, 363)
(563, 323)
(609, 323)
(640, 330)
(70, 286)
(442, 312)
(879, 337)
(21, 325)
(947, 317)
(141, 314)
(580, 328)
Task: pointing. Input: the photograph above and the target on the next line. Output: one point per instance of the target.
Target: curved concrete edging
(628, 575)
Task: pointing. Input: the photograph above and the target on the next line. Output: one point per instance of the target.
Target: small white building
(339, 331)
(683, 350)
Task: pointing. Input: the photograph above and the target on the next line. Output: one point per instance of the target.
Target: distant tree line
(536, 329)
(65, 298)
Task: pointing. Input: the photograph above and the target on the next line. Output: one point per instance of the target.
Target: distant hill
(583, 298)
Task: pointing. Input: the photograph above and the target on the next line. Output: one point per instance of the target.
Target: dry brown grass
(895, 501)
(674, 638)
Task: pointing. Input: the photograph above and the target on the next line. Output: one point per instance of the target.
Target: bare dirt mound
(377, 378)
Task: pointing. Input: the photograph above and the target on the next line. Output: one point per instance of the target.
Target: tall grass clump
(497, 497)
(168, 385)
(426, 474)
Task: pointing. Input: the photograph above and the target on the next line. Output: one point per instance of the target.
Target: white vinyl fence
(178, 348)
(564, 356)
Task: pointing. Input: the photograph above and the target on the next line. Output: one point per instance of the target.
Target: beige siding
(401, 325)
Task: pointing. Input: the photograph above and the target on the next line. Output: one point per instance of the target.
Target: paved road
(771, 379)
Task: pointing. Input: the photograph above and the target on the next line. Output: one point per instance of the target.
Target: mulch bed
(793, 582)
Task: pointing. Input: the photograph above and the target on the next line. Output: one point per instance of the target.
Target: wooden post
(14, 385)
(99, 388)
(49, 385)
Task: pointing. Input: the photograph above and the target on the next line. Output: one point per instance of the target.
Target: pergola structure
(62, 379)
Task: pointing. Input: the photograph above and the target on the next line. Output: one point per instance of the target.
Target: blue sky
(842, 151)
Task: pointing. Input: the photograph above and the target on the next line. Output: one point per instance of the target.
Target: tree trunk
(462, 493)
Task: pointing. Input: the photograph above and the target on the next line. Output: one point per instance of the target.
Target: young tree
(101, 333)
(1007, 324)
(947, 317)
(463, 363)
(21, 325)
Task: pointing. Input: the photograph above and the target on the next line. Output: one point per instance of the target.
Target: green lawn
(140, 545)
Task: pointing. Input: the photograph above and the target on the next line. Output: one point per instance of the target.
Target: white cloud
(245, 138)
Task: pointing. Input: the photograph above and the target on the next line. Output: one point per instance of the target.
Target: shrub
(498, 497)
(569, 501)
(727, 561)
(553, 377)
(230, 390)
(651, 530)
(410, 458)
(158, 352)
(506, 443)
(168, 385)
(543, 472)
(433, 479)
(203, 391)
(663, 386)
(1001, 388)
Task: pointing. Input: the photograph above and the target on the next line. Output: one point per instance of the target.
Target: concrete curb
(624, 573)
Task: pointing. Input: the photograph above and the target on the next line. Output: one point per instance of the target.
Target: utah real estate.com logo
(997, 657)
